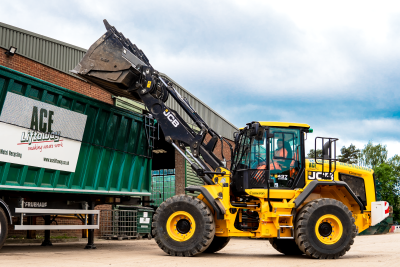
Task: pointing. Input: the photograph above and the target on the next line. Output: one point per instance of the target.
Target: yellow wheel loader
(303, 206)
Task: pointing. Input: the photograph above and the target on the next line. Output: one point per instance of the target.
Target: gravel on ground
(375, 250)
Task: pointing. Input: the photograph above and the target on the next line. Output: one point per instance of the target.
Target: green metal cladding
(114, 157)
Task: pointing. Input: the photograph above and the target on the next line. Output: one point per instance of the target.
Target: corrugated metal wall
(114, 157)
(50, 52)
(191, 178)
(65, 57)
(212, 118)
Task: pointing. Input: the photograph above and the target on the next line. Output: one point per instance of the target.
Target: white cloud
(359, 132)
(311, 47)
(338, 60)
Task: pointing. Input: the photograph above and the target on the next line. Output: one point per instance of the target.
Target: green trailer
(61, 151)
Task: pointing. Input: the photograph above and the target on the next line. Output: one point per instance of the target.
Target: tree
(389, 178)
(311, 154)
(387, 173)
(374, 156)
(349, 155)
(395, 162)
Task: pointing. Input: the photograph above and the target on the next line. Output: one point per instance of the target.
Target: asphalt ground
(376, 250)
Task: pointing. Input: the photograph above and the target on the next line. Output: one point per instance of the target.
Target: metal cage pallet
(118, 224)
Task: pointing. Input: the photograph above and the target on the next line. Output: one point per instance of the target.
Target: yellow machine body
(279, 222)
(272, 186)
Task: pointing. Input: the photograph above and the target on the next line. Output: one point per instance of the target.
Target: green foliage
(349, 155)
(387, 170)
(395, 162)
(374, 155)
(311, 154)
(390, 183)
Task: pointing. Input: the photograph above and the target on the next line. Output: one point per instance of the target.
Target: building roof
(64, 57)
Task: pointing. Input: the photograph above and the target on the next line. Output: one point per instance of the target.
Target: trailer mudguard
(209, 197)
(312, 185)
(6, 209)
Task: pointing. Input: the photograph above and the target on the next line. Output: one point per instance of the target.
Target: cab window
(284, 157)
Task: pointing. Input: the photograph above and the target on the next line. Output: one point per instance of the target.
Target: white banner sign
(38, 134)
(39, 116)
(23, 146)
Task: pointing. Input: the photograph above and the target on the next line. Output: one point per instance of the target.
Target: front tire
(285, 246)
(218, 243)
(3, 228)
(325, 229)
(183, 226)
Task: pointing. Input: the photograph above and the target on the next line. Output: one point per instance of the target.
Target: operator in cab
(280, 161)
(280, 154)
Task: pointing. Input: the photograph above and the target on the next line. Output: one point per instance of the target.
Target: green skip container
(144, 220)
(114, 157)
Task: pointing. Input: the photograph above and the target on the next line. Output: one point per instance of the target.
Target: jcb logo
(171, 118)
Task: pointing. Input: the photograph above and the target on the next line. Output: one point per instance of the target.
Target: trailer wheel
(218, 243)
(286, 246)
(325, 229)
(183, 226)
(3, 228)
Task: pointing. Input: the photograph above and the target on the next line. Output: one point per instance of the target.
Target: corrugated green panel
(114, 156)
(129, 104)
(163, 187)
(191, 178)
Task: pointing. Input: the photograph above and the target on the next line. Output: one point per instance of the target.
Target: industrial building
(51, 60)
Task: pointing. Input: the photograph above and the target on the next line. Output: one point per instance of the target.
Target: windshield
(251, 152)
(284, 156)
(283, 162)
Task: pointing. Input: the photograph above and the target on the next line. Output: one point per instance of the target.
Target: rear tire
(325, 229)
(286, 246)
(218, 243)
(3, 227)
(183, 226)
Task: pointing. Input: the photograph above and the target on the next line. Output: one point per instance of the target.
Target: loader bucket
(113, 63)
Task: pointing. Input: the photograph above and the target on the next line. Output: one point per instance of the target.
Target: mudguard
(311, 186)
(220, 213)
(6, 209)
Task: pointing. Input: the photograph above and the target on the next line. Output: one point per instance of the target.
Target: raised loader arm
(120, 67)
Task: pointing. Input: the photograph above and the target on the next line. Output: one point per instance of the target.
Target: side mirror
(236, 137)
(328, 154)
(326, 150)
(254, 129)
(260, 134)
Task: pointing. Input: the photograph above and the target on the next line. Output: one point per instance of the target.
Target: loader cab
(269, 155)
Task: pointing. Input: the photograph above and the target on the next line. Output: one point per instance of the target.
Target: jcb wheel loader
(303, 206)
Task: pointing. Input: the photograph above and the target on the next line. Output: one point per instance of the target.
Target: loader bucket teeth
(108, 26)
(114, 63)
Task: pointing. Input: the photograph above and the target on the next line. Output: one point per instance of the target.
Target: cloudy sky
(331, 64)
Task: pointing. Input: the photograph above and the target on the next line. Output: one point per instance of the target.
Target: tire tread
(301, 224)
(207, 217)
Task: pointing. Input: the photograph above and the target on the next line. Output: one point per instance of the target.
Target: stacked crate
(163, 185)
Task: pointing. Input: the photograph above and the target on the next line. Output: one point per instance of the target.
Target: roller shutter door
(191, 178)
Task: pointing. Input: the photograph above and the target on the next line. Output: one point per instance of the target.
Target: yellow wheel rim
(181, 226)
(329, 229)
